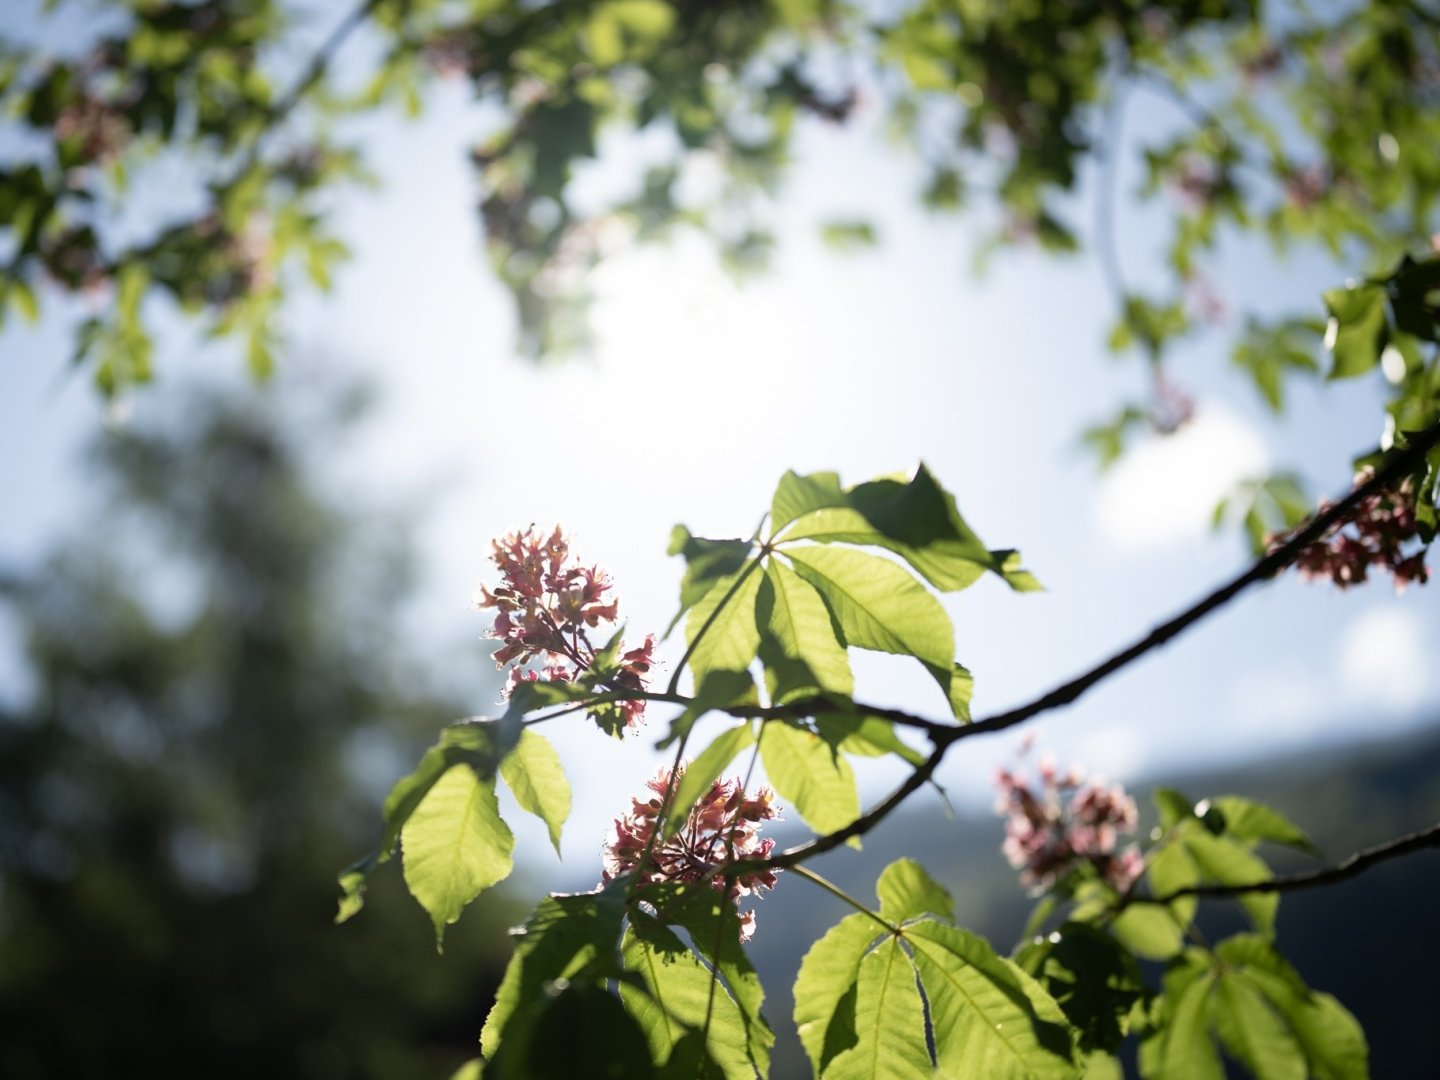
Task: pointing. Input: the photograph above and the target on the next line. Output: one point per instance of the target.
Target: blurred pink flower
(1064, 823)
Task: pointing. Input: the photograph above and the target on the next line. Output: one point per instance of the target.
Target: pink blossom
(1066, 823)
(545, 606)
(1376, 536)
(722, 827)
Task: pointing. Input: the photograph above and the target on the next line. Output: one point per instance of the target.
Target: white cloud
(1165, 489)
(1383, 660)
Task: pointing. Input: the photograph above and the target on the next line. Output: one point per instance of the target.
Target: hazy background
(700, 395)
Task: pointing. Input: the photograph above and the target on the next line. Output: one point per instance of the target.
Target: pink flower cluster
(1375, 536)
(545, 607)
(722, 826)
(1064, 824)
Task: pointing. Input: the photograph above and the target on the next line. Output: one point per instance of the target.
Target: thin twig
(1351, 866)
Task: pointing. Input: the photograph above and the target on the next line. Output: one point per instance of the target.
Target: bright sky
(704, 393)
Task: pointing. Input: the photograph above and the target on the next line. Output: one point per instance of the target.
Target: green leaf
(1332, 1040)
(881, 607)
(1094, 980)
(1174, 807)
(907, 892)
(825, 989)
(480, 744)
(989, 1018)
(809, 775)
(1358, 329)
(718, 690)
(730, 637)
(1252, 1033)
(916, 519)
(961, 692)
(534, 775)
(889, 1021)
(582, 1030)
(713, 923)
(567, 937)
(706, 562)
(1169, 868)
(1149, 931)
(1183, 1050)
(864, 736)
(797, 639)
(455, 845)
(1228, 862)
(1253, 822)
(703, 771)
(676, 994)
(797, 495)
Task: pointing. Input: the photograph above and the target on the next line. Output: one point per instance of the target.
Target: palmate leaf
(1252, 1033)
(455, 845)
(1329, 1036)
(889, 1021)
(676, 995)
(1250, 999)
(810, 776)
(1093, 979)
(990, 1018)
(987, 1017)
(1181, 1049)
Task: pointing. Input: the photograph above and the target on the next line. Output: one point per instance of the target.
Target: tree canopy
(1307, 125)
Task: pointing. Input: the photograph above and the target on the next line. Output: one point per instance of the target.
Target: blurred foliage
(213, 659)
(1305, 124)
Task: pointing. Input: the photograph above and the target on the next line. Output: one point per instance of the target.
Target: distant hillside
(1368, 941)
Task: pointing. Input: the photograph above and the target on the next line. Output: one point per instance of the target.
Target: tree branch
(1351, 866)
(1399, 463)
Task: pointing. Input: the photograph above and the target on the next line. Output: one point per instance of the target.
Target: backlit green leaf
(825, 989)
(706, 562)
(724, 623)
(1252, 1033)
(990, 1019)
(534, 775)
(676, 994)
(795, 626)
(567, 937)
(881, 607)
(810, 776)
(455, 845)
(907, 892)
(889, 1022)
(1358, 329)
